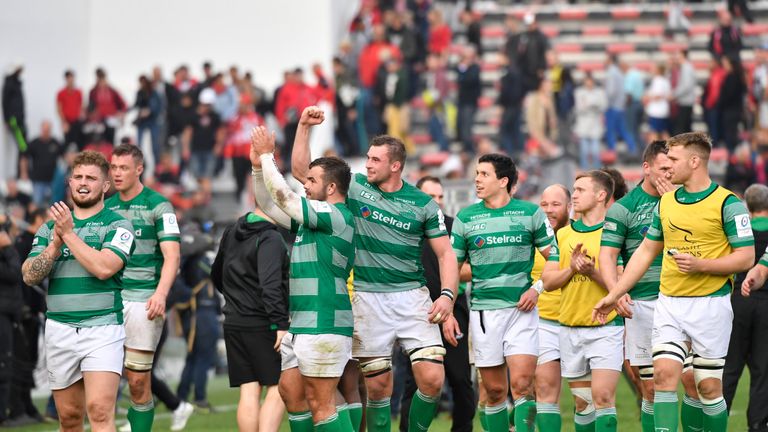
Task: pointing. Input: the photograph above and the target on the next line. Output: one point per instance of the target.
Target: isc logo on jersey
(389, 220)
(498, 240)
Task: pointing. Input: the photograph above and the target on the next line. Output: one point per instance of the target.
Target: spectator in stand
(436, 88)
(69, 105)
(169, 98)
(725, 40)
(208, 75)
(371, 58)
(682, 78)
(180, 116)
(258, 95)
(401, 33)
(294, 96)
(227, 98)
(235, 78)
(740, 172)
(710, 100)
(541, 119)
(615, 125)
(531, 53)
(347, 94)
(202, 140)
(238, 144)
(563, 89)
(439, 33)
(473, 29)
(167, 173)
(150, 106)
(740, 8)
(106, 106)
(510, 101)
(761, 162)
(14, 117)
(39, 164)
(590, 112)
(392, 99)
(420, 12)
(760, 86)
(184, 83)
(10, 306)
(731, 101)
(470, 87)
(634, 87)
(657, 105)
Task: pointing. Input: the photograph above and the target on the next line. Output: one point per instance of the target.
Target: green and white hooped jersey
(321, 259)
(390, 228)
(626, 223)
(76, 297)
(500, 245)
(154, 221)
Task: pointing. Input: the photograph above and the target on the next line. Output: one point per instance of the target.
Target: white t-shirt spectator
(658, 95)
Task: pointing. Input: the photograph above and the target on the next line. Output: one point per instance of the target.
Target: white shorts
(320, 356)
(584, 349)
(70, 351)
(383, 318)
(638, 347)
(704, 322)
(141, 333)
(549, 341)
(500, 333)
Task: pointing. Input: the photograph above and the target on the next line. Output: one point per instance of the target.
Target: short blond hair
(697, 141)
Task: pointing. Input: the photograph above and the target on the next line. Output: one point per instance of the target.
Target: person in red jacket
(238, 145)
(294, 96)
(371, 58)
(439, 33)
(106, 105)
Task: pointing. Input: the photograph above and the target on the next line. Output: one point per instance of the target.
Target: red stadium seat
(596, 31)
(649, 30)
(591, 66)
(493, 31)
(568, 48)
(673, 46)
(434, 159)
(619, 48)
(485, 102)
(550, 31)
(700, 29)
(573, 14)
(627, 12)
(420, 139)
(755, 29)
(608, 157)
(489, 66)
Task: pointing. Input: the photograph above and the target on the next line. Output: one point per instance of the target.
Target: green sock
(355, 415)
(606, 420)
(346, 421)
(584, 422)
(691, 414)
(525, 414)
(422, 412)
(141, 416)
(483, 418)
(548, 417)
(646, 416)
(715, 416)
(301, 421)
(377, 416)
(330, 424)
(665, 411)
(497, 418)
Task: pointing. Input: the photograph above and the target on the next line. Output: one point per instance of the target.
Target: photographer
(10, 304)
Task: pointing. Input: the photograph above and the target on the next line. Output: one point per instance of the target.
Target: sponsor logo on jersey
(686, 236)
(498, 240)
(743, 225)
(479, 242)
(367, 195)
(170, 224)
(365, 211)
(389, 220)
(644, 230)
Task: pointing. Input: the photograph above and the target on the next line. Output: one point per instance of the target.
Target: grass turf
(224, 401)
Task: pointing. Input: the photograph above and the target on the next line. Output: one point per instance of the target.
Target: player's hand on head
(451, 331)
(312, 116)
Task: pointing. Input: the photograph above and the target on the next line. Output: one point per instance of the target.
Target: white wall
(127, 38)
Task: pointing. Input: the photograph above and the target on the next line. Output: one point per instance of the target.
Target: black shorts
(251, 357)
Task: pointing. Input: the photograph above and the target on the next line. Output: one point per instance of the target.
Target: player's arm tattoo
(38, 268)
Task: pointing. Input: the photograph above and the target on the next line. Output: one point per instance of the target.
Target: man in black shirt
(750, 324)
(39, 163)
(203, 139)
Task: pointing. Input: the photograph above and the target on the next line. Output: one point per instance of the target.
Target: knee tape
(433, 354)
(688, 363)
(584, 393)
(704, 368)
(376, 366)
(670, 351)
(646, 372)
(138, 361)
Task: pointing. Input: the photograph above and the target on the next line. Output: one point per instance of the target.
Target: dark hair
(336, 171)
(700, 142)
(503, 166)
(654, 149)
(428, 178)
(68, 73)
(36, 213)
(619, 184)
(206, 65)
(395, 147)
(130, 150)
(100, 73)
(92, 158)
(601, 179)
